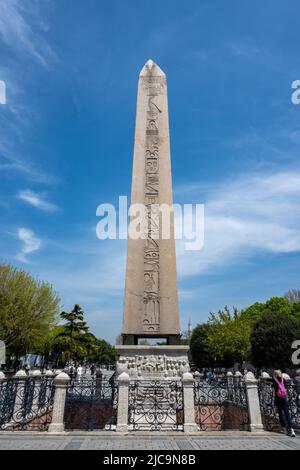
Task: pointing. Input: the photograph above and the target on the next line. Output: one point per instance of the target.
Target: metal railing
(26, 403)
(91, 404)
(221, 405)
(155, 405)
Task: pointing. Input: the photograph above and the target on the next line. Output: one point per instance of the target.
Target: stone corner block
(62, 379)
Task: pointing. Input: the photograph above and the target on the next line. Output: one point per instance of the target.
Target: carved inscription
(151, 303)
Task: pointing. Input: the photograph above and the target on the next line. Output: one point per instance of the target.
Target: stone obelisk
(151, 296)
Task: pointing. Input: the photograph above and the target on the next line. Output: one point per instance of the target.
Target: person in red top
(281, 403)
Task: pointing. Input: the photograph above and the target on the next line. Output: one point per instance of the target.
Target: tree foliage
(73, 341)
(250, 334)
(28, 310)
(229, 336)
(271, 340)
(200, 350)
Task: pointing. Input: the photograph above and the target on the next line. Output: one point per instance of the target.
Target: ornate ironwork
(156, 405)
(268, 408)
(26, 404)
(91, 404)
(221, 404)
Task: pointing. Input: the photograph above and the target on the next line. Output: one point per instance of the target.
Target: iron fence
(221, 405)
(155, 405)
(91, 404)
(26, 404)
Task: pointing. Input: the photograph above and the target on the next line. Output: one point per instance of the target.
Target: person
(281, 403)
(71, 371)
(79, 373)
(297, 386)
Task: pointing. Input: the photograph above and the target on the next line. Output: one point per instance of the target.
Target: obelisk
(151, 293)
(151, 296)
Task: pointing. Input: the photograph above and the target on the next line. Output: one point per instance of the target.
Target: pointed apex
(151, 69)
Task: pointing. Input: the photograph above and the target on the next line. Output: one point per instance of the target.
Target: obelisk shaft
(151, 295)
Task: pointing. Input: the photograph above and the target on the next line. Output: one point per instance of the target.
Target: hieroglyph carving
(151, 304)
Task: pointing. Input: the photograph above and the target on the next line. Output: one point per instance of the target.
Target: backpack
(282, 391)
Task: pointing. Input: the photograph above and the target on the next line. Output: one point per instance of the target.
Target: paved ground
(91, 441)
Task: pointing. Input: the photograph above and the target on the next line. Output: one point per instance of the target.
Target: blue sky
(66, 143)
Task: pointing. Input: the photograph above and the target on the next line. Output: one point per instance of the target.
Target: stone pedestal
(152, 362)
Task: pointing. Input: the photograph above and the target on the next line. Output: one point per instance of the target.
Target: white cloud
(21, 26)
(36, 200)
(244, 217)
(30, 243)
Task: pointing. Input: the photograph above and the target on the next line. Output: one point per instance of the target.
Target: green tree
(271, 340)
(28, 310)
(104, 353)
(74, 336)
(200, 350)
(229, 336)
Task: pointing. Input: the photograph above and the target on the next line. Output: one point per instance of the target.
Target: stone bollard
(61, 382)
(253, 403)
(190, 425)
(123, 394)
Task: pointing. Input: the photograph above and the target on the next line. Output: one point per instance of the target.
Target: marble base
(152, 362)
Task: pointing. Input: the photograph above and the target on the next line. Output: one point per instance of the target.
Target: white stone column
(61, 382)
(188, 403)
(123, 394)
(253, 403)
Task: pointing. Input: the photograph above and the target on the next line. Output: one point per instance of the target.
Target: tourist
(281, 402)
(71, 371)
(79, 373)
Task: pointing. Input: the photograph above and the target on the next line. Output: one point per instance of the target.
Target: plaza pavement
(107, 441)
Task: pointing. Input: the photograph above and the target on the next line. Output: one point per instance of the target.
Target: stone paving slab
(88, 441)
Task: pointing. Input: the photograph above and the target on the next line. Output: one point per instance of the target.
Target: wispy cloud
(22, 33)
(30, 243)
(20, 28)
(36, 200)
(249, 215)
(244, 50)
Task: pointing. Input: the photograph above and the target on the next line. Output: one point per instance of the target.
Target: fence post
(253, 403)
(123, 394)
(61, 382)
(188, 403)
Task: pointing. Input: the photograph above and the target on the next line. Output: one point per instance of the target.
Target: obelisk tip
(151, 69)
